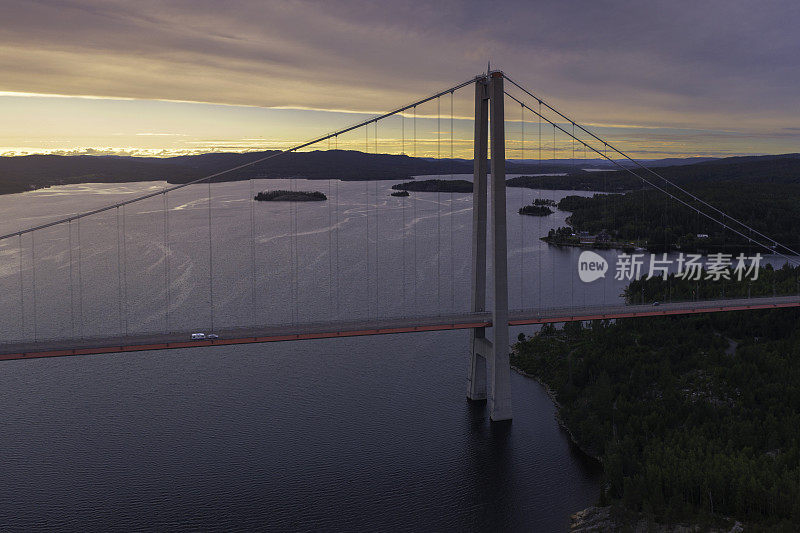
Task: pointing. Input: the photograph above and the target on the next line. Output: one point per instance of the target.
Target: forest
(693, 417)
(290, 196)
(435, 185)
(770, 282)
(651, 219)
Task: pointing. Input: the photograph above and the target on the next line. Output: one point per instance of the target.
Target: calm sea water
(348, 434)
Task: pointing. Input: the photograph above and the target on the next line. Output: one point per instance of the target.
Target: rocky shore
(603, 519)
(552, 395)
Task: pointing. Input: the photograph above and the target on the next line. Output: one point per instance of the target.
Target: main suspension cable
(680, 200)
(249, 163)
(648, 169)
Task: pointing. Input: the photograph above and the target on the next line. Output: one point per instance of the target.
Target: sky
(659, 79)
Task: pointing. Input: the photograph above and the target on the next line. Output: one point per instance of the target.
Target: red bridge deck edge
(383, 331)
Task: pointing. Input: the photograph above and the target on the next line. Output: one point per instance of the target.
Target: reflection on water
(345, 434)
(362, 254)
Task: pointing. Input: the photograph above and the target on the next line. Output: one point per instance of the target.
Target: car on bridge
(204, 336)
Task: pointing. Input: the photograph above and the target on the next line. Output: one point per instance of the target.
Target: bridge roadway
(276, 333)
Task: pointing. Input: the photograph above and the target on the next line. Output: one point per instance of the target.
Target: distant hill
(24, 173)
(772, 169)
(777, 169)
(601, 163)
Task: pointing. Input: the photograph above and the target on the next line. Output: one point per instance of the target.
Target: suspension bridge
(141, 274)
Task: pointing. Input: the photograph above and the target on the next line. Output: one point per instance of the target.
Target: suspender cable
(613, 224)
(33, 274)
(376, 211)
(293, 209)
(540, 195)
(572, 166)
(80, 277)
(290, 219)
(166, 264)
(119, 276)
(21, 292)
(522, 217)
(125, 267)
(210, 261)
(415, 215)
(452, 253)
(71, 288)
(552, 256)
(584, 162)
(666, 245)
(403, 203)
(338, 276)
(253, 296)
(439, 207)
(330, 240)
(368, 277)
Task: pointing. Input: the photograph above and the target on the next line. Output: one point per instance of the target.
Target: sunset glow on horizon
(87, 77)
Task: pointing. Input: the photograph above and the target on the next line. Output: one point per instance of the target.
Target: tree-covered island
(540, 207)
(435, 185)
(290, 196)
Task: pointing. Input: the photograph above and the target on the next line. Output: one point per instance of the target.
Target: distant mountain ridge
(775, 169)
(22, 173)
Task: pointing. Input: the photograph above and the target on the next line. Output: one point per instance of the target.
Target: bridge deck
(180, 339)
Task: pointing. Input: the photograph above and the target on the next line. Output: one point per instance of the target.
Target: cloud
(713, 65)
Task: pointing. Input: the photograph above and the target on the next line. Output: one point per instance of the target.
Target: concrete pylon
(500, 367)
(476, 372)
(489, 92)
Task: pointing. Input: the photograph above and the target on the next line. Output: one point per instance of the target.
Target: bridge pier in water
(489, 93)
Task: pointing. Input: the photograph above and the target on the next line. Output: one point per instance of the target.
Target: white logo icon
(591, 266)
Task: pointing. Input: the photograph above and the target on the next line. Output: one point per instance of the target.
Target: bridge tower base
(490, 91)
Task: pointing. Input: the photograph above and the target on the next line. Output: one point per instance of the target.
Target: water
(361, 254)
(347, 434)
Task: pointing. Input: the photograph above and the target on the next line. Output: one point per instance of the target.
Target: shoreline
(595, 246)
(552, 395)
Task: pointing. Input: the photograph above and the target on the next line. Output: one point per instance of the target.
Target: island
(400, 193)
(539, 208)
(568, 236)
(290, 196)
(435, 185)
(535, 210)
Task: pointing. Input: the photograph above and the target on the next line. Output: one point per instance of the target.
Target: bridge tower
(489, 95)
